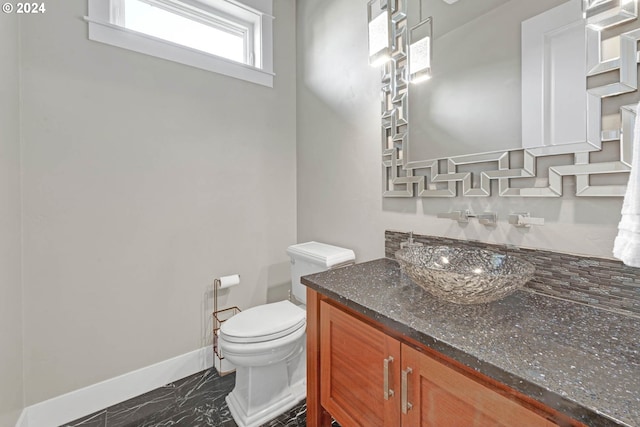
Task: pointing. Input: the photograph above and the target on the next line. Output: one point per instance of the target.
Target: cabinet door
(440, 396)
(353, 371)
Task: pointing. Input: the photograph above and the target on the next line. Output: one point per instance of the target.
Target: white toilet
(267, 343)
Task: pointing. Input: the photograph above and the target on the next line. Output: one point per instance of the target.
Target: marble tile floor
(195, 401)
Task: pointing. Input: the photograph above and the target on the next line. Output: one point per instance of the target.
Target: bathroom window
(222, 36)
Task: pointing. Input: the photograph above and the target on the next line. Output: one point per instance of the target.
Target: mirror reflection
(474, 103)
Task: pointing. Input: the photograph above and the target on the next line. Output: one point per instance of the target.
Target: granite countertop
(580, 360)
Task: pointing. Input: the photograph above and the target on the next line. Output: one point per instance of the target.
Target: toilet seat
(264, 323)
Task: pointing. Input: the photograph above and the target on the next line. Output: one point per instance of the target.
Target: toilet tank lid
(322, 254)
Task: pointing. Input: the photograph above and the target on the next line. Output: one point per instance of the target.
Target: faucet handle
(524, 220)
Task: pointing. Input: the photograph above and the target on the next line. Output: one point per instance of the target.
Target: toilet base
(271, 377)
(297, 393)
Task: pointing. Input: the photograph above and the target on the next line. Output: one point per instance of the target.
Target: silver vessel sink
(464, 275)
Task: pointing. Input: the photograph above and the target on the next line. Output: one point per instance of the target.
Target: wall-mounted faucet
(460, 216)
(524, 220)
(485, 218)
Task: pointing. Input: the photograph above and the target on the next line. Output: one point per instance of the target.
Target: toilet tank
(314, 257)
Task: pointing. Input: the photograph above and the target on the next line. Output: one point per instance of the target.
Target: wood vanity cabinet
(362, 375)
(359, 371)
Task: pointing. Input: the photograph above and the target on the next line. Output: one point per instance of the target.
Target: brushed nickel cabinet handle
(387, 391)
(404, 392)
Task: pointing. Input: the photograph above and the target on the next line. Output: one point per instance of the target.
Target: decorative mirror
(521, 94)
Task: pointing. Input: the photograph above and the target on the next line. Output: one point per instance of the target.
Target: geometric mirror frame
(473, 174)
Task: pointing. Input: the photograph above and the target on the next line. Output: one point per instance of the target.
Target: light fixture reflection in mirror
(379, 32)
(420, 39)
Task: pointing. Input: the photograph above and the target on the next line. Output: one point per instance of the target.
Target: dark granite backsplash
(597, 282)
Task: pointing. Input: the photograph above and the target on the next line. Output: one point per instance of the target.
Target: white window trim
(102, 30)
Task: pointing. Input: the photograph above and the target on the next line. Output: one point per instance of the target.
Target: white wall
(144, 180)
(11, 390)
(339, 158)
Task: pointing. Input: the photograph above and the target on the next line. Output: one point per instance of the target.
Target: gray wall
(11, 391)
(143, 180)
(339, 158)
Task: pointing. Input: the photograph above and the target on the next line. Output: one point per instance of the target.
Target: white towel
(627, 244)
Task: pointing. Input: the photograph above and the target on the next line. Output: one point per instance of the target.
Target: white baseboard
(82, 402)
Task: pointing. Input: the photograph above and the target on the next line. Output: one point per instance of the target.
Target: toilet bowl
(267, 343)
